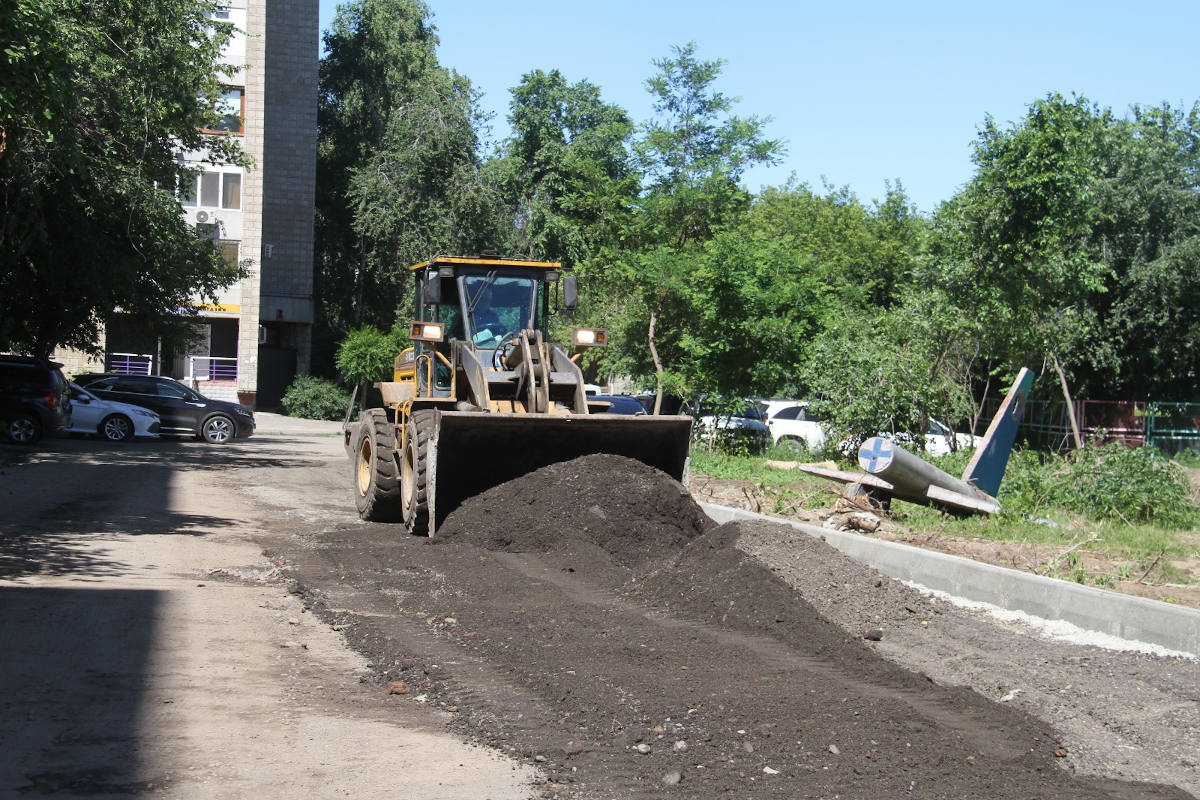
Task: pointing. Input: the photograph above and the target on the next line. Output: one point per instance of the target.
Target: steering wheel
(507, 342)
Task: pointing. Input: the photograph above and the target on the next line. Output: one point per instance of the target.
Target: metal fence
(1171, 427)
(212, 368)
(130, 363)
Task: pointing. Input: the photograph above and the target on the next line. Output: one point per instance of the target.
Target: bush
(315, 398)
(1112, 481)
(367, 355)
(1133, 484)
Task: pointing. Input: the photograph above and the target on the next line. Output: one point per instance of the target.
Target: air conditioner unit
(201, 216)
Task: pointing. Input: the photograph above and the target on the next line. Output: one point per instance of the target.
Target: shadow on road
(71, 689)
(54, 496)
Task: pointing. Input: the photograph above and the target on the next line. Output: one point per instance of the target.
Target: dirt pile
(630, 511)
(646, 523)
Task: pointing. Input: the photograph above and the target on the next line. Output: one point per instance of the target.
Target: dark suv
(33, 398)
(182, 410)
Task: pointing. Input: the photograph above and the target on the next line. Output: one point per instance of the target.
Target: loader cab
(483, 302)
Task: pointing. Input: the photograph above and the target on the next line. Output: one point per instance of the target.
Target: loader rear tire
(376, 487)
(414, 476)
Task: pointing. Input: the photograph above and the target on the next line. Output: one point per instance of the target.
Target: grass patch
(1125, 506)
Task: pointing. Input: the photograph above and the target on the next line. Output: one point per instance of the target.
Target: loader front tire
(376, 487)
(414, 475)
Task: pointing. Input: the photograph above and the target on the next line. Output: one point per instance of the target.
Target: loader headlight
(589, 337)
(426, 331)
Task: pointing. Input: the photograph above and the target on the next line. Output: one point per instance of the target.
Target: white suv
(794, 425)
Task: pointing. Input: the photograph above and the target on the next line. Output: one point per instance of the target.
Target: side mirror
(433, 288)
(570, 292)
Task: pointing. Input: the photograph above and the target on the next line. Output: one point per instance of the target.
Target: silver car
(108, 419)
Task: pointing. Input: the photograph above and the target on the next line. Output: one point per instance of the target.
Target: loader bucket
(471, 452)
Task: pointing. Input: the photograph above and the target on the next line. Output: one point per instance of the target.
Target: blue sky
(861, 92)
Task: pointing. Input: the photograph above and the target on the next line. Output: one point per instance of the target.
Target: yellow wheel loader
(483, 396)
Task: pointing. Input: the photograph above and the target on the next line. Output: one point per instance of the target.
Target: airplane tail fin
(987, 465)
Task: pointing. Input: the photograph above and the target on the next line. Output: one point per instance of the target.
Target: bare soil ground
(1016, 555)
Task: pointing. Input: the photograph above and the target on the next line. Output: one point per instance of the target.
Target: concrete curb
(1124, 616)
(269, 424)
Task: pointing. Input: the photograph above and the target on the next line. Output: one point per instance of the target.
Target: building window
(210, 189)
(187, 192)
(231, 110)
(216, 190)
(231, 190)
(229, 253)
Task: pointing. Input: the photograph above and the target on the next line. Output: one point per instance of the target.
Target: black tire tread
(382, 501)
(416, 512)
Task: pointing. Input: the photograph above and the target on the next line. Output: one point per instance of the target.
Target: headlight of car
(143, 412)
(245, 412)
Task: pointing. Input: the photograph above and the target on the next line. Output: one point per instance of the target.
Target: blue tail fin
(987, 465)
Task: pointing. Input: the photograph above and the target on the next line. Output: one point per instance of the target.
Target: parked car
(735, 424)
(33, 399)
(794, 425)
(619, 404)
(937, 439)
(108, 419)
(182, 410)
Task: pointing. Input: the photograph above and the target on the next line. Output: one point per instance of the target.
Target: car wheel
(116, 428)
(796, 446)
(217, 429)
(24, 429)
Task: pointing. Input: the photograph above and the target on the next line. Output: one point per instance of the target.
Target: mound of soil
(630, 511)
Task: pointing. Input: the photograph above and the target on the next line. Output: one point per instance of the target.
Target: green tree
(770, 281)
(692, 156)
(367, 355)
(398, 174)
(878, 370)
(96, 102)
(1076, 242)
(1150, 233)
(693, 153)
(565, 171)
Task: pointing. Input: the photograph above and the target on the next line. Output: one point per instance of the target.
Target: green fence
(1171, 427)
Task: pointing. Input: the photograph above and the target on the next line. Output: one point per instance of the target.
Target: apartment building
(258, 333)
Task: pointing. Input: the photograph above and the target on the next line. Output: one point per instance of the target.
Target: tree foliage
(367, 354)
(692, 156)
(96, 102)
(693, 152)
(1077, 240)
(565, 173)
(398, 172)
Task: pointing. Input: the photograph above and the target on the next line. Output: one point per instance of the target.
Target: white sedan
(116, 422)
